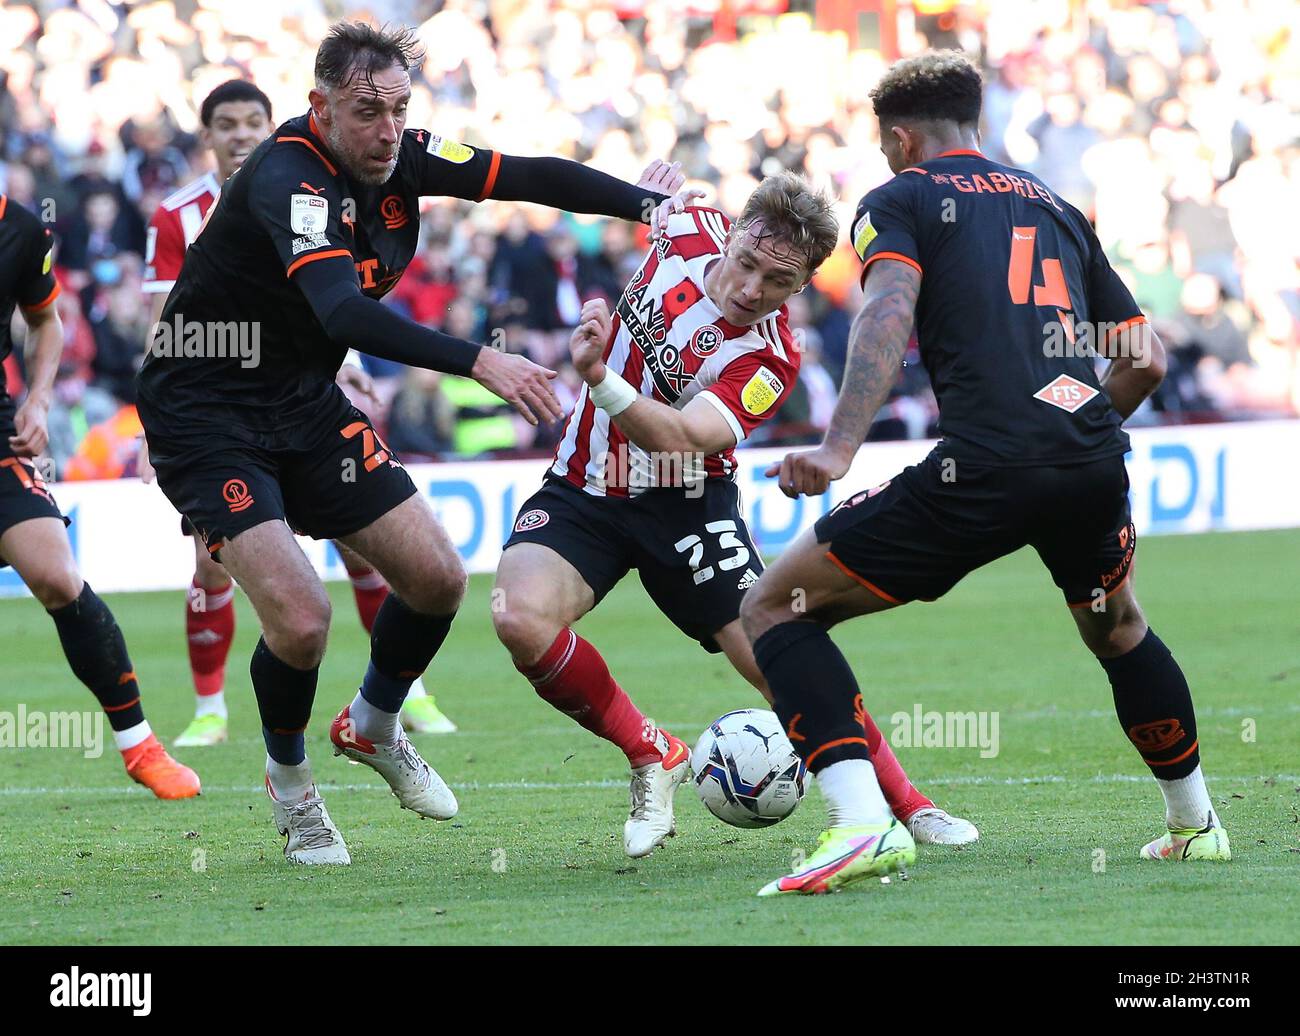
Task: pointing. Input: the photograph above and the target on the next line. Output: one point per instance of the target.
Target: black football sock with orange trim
(1155, 709)
(93, 644)
(284, 700)
(814, 693)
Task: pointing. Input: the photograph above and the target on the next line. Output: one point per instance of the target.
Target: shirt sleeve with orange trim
(884, 226)
(446, 168)
(1109, 300)
(298, 203)
(36, 286)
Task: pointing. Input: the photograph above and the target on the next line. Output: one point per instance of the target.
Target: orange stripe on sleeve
(1130, 322)
(893, 255)
(313, 257)
(491, 180)
(54, 294)
(4, 204)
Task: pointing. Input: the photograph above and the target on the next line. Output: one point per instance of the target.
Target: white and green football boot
(209, 729)
(848, 854)
(420, 713)
(1208, 843)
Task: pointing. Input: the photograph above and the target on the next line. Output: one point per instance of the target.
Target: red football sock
(573, 678)
(902, 796)
(209, 631)
(369, 588)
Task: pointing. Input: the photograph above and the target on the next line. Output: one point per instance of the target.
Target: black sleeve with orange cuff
(573, 187)
(367, 325)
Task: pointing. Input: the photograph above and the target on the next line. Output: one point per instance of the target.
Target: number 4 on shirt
(1053, 291)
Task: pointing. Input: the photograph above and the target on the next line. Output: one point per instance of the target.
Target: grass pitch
(536, 855)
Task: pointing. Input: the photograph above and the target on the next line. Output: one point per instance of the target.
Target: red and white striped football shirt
(173, 227)
(670, 342)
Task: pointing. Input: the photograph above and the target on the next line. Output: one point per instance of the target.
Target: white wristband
(613, 395)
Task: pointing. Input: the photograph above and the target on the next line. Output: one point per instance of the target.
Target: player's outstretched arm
(1137, 367)
(574, 187)
(354, 320)
(877, 342)
(698, 428)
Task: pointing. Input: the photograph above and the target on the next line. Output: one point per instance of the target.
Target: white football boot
(934, 826)
(651, 821)
(313, 838)
(415, 783)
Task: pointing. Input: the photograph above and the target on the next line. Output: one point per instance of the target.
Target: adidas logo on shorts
(747, 580)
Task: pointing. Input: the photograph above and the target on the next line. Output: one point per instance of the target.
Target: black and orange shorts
(23, 492)
(919, 534)
(342, 478)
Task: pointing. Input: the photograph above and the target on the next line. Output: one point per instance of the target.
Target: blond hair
(792, 211)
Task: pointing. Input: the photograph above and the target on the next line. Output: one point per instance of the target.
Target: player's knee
(208, 574)
(440, 588)
(55, 586)
(1114, 632)
(523, 632)
(758, 614)
(300, 630)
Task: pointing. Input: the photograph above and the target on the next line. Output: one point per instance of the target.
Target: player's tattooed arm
(877, 342)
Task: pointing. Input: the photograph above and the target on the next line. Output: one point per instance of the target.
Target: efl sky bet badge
(451, 150)
(761, 391)
(863, 234)
(308, 214)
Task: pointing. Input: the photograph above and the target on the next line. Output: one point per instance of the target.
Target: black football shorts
(341, 478)
(694, 554)
(23, 493)
(917, 535)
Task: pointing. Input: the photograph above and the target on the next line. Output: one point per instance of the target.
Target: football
(746, 771)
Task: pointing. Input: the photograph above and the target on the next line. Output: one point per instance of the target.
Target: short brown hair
(792, 211)
(355, 49)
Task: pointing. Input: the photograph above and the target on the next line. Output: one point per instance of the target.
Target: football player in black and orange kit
(249, 434)
(1012, 298)
(33, 533)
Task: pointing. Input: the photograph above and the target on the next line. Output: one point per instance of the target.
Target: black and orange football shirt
(1015, 288)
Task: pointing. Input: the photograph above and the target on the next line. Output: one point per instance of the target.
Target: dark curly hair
(941, 86)
(354, 49)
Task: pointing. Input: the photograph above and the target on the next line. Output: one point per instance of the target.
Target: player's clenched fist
(587, 346)
(520, 382)
(811, 473)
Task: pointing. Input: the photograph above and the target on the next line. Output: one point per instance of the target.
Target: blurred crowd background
(1176, 126)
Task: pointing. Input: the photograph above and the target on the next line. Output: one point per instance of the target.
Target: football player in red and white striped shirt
(696, 355)
(236, 117)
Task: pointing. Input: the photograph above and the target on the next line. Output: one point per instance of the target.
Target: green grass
(535, 855)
